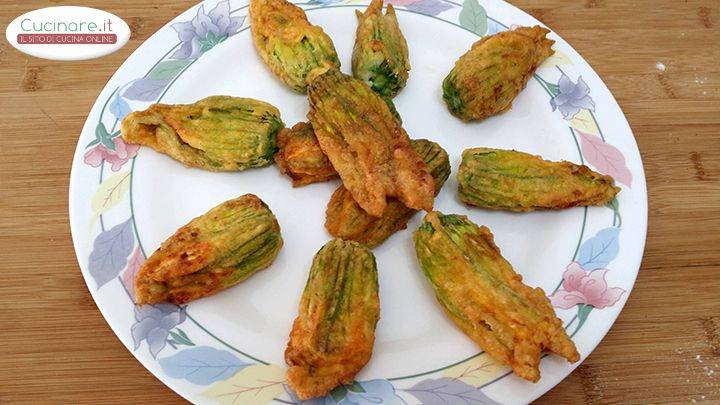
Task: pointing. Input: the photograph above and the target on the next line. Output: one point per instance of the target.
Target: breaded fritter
(487, 78)
(366, 145)
(380, 55)
(485, 298)
(332, 337)
(299, 156)
(218, 133)
(295, 50)
(345, 219)
(517, 181)
(212, 252)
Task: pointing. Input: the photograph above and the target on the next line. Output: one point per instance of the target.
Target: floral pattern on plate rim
(115, 254)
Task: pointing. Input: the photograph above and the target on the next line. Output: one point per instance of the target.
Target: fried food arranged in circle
(346, 220)
(299, 156)
(212, 252)
(332, 338)
(479, 291)
(488, 77)
(366, 145)
(380, 55)
(295, 50)
(517, 181)
(218, 133)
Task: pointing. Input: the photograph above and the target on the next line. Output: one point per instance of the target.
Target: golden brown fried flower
(218, 133)
(366, 145)
(346, 220)
(299, 156)
(332, 337)
(487, 78)
(380, 55)
(485, 298)
(295, 50)
(517, 181)
(212, 252)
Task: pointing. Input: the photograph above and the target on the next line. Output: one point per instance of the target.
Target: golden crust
(299, 156)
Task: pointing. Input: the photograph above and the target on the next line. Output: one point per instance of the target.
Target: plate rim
(640, 185)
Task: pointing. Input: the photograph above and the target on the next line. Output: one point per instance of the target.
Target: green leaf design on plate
(210, 41)
(103, 136)
(583, 312)
(181, 338)
(553, 88)
(339, 393)
(167, 69)
(614, 205)
(474, 17)
(355, 387)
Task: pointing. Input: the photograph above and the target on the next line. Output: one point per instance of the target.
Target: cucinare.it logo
(68, 33)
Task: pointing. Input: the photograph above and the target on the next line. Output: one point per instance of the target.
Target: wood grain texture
(664, 348)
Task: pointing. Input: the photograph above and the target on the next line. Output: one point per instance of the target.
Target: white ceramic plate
(229, 347)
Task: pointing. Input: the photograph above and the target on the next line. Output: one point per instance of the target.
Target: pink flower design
(128, 277)
(585, 287)
(117, 158)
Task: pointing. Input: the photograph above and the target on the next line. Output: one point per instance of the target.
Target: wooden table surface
(665, 346)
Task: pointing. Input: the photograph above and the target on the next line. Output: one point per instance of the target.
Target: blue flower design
(572, 97)
(153, 324)
(372, 392)
(206, 30)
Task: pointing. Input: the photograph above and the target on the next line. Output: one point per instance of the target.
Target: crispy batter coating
(346, 220)
(212, 252)
(366, 145)
(218, 133)
(295, 50)
(485, 298)
(517, 181)
(332, 337)
(299, 156)
(392, 108)
(487, 78)
(380, 55)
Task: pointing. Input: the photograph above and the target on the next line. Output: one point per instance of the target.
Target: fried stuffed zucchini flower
(479, 291)
(214, 251)
(517, 181)
(295, 50)
(333, 335)
(345, 219)
(380, 55)
(218, 133)
(487, 78)
(367, 145)
(299, 156)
